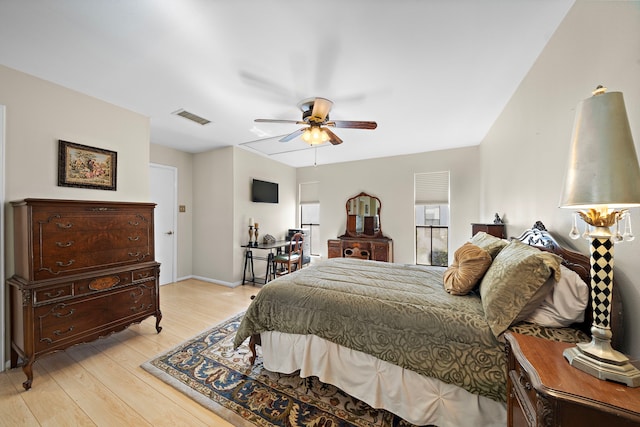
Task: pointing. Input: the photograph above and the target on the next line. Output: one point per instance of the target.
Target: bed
(394, 337)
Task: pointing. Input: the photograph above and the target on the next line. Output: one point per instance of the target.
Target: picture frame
(86, 167)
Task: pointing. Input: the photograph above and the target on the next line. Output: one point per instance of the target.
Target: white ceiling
(433, 74)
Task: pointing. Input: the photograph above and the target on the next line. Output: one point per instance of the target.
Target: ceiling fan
(315, 115)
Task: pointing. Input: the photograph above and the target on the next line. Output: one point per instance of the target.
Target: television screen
(264, 192)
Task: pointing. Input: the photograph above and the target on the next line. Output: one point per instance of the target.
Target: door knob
(169, 233)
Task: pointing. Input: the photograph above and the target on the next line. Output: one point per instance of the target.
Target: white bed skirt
(414, 397)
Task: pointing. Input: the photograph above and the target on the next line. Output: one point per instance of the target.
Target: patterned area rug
(207, 370)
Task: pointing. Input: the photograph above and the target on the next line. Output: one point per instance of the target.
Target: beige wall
(524, 155)
(215, 186)
(38, 114)
(274, 219)
(391, 179)
(183, 162)
(213, 215)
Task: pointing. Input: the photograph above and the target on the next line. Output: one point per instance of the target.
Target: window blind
(309, 192)
(432, 188)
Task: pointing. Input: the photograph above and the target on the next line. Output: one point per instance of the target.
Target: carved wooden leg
(253, 341)
(158, 319)
(27, 368)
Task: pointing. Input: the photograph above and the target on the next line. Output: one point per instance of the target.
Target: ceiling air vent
(192, 117)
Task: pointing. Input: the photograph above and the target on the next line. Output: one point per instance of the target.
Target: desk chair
(290, 258)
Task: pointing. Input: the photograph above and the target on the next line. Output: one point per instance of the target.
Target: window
(310, 214)
(432, 218)
(310, 220)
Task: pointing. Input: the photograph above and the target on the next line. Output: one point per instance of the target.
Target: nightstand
(544, 390)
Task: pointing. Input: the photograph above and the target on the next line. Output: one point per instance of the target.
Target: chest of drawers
(83, 270)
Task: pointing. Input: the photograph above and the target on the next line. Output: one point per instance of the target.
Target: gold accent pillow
(513, 280)
(489, 243)
(470, 262)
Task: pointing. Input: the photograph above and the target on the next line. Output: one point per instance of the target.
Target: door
(164, 192)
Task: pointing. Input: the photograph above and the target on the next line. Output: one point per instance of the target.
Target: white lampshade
(603, 168)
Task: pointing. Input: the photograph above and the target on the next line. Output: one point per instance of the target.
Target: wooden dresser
(352, 247)
(544, 390)
(363, 237)
(496, 230)
(83, 270)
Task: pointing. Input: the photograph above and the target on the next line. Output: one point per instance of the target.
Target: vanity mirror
(363, 216)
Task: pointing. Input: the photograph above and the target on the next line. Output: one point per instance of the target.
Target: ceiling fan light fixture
(315, 135)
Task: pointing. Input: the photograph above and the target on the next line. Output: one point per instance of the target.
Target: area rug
(206, 369)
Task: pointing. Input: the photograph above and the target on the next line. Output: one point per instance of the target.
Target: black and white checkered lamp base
(598, 358)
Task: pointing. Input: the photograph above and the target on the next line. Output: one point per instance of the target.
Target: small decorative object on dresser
(83, 270)
(363, 237)
(544, 390)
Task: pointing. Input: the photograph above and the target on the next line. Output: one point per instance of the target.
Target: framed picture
(86, 167)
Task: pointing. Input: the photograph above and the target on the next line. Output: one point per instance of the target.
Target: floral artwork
(87, 167)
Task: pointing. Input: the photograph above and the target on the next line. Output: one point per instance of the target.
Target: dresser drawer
(87, 220)
(143, 274)
(58, 325)
(102, 283)
(53, 293)
(81, 261)
(524, 396)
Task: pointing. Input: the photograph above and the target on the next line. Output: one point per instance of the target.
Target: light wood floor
(101, 383)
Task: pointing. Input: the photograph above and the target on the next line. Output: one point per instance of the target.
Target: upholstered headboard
(538, 236)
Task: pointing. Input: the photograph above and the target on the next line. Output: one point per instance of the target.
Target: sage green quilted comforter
(397, 313)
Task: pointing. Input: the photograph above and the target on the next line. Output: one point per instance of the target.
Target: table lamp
(602, 183)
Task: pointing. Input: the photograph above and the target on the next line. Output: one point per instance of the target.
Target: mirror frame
(351, 219)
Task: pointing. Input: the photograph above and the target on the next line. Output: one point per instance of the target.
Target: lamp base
(608, 364)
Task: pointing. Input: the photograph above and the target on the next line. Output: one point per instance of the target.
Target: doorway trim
(174, 249)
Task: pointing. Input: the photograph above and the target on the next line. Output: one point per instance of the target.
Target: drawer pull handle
(58, 332)
(63, 264)
(68, 314)
(134, 223)
(137, 294)
(142, 275)
(65, 245)
(61, 225)
(134, 255)
(134, 239)
(54, 295)
(142, 307)
(523, 381)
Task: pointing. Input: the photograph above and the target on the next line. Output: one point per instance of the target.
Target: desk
(248, 260)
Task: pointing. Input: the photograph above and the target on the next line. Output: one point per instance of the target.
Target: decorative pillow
(565, 304)
(470, 262)
(489, 243)
(513, 279)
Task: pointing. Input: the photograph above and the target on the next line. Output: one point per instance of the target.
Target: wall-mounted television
(264, 192)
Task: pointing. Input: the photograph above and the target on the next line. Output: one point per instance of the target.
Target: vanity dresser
(363, 237)
(83, 270)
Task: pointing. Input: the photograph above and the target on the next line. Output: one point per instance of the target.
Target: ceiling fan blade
(333, 138)
(292, 135)
(353, 124)
(279, 121)
(321, 108)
